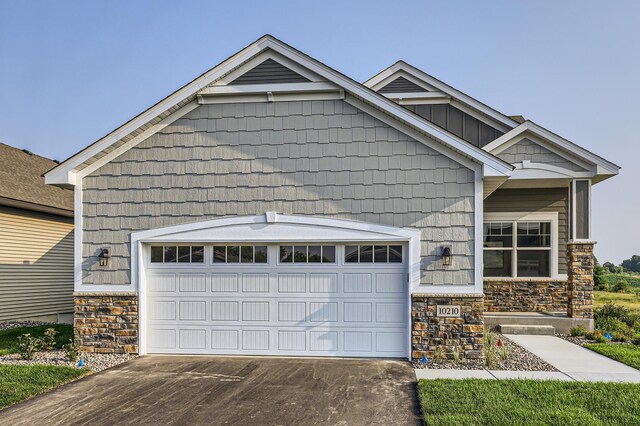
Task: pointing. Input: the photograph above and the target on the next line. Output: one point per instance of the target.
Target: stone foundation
(525, 295)
(106, 322)
(580, 267)
(429, 332)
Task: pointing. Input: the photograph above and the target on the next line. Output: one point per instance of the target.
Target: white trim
(603, 167)
(478, 218)
(403, 68)
(530, 216)
(530, 170)
(77, 236)
(402, 73)
(271, 97)
(59, 175)
(264, 88)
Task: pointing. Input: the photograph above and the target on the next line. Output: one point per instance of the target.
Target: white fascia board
(377, 81)
(507, 139)
(416, 95)
(274, 88)
(60, 174)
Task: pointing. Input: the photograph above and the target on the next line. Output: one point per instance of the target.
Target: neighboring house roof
(321, 77)
(22, 183)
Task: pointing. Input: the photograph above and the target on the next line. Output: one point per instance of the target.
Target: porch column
(580, 284)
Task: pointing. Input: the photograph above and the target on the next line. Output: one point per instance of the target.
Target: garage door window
(239, 254)
(373, 254)
(177, 254)
(307, 254)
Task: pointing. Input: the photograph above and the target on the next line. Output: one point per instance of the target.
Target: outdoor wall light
(103, 257)
(447, 257)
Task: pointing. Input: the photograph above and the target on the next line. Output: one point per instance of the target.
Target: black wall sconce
(447, 257)
(103, 257)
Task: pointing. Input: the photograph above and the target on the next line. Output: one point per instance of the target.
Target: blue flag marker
(81, 363)
(608, 336)
(424, 359)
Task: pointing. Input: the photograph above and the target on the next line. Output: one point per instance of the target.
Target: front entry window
(521, 248)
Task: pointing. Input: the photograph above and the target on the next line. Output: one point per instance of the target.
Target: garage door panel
(292, 311)
(256, 340)
(292, 283)
(357, 283)
(162, 338)
(192, 283)
(225, 339)
(224, 283)
(163, 283)
(255, 311)
(225, 311)
(323, 341)
(292, 340)
(357, 311)
(390, 283)
(192, 338)
(323, 283)
(323, 311)
(390, 313)
(389, 341)
(358, 341)
(163, 310)
(192, 310)
(255, 283)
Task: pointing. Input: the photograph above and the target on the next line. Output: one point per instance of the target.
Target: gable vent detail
(270, 71)
(401, 85)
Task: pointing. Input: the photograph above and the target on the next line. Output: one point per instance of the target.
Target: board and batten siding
(536, 200)
(36, 264)
(317, 158)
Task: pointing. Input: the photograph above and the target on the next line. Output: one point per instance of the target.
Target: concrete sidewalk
(574, 362)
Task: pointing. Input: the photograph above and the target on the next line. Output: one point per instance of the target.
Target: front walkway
(574, 362)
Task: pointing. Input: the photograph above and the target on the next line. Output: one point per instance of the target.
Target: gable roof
(603, 168)
(22, 184)
(165, 111)
(407, 71)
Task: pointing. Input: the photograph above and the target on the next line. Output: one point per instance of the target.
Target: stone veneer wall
(429, 332)
(580, 267)
(525, 295)
(106, 322)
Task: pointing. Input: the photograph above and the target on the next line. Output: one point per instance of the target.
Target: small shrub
(588, 336)
(621, 287)
(617, 328)
(491, 358)
(489, 339)
(27, 346)
(438, 354)
(599, 337)
(71, 351)
(455, 356)
(636, 339)
(503, 354)
(48, 341)
(578, 331)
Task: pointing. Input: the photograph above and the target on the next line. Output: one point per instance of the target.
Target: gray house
(274, 206)
(36, 240)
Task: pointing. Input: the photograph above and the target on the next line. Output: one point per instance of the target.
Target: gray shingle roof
(21, 179)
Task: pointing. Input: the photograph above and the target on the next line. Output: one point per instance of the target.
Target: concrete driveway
(186, 390)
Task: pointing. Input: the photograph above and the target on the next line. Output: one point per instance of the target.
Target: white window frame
(551, 217)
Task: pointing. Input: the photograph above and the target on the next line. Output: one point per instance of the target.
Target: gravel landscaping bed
(17, 324)
(96, 362)
(519, 359)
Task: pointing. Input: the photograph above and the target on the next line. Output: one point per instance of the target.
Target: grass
(626, 354)
(528, 402)
(628, 300)
(19, 382)
(9, 338)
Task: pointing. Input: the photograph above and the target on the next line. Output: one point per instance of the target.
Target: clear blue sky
(70, 72)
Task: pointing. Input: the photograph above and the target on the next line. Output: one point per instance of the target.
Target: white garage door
(303, 300)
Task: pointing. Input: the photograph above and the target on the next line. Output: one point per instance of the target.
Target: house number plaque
(447, 311)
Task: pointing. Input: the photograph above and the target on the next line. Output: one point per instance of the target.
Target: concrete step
(537, 330)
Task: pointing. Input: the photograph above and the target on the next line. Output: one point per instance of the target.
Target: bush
(599, 337)
(621, 287)
(610, 310)
(27, 345)
(48, 341)
(617, 328)
(578, 331)
(636, 339)
(71, 351)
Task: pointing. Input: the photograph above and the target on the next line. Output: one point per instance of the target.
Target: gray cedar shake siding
(536, 200)
(526, 149)
(323, 158)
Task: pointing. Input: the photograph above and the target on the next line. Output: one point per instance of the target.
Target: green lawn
(628, 300)
(627, 354)
(9, 338)
(528, 402)
(18, 382)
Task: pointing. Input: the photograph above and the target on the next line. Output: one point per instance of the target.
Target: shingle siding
(527, 149)
(322, 158)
